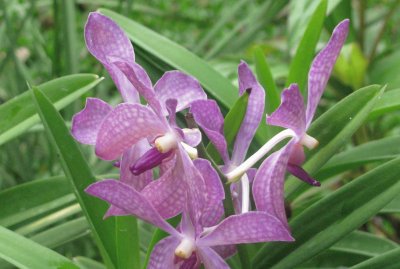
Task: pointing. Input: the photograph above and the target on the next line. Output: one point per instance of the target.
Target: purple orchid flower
(142, 135)
(209, 117)
(268, 186)
(195, 242)
(104, 40)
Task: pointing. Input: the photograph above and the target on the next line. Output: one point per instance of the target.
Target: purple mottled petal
(322, 66)
(254, 112)
(105, 39)
(213, 209)
(177, 85)
(250, 227)
(166, 165)
(225, 251)
(211, 259)
(195, 188)
(300, 173)
(297, 156)
(138, 77)
(191, 263)
(269, 182)
(192, 137)
(251, 173)
(128, 199)
(126, 176)
(291, 112)
(167, 194)
(86, 123)
(125, 126)
(170, 105)
(163, 254)
(208, 116)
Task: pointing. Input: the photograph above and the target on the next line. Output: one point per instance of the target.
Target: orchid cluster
(161, 174)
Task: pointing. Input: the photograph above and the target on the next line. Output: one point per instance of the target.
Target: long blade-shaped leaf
(388, 260)
(26, 254)
(178, 57)
(383, 149)
(305, 51)
(389, 102)
(333, 217)
(19, 114)
(79, 174)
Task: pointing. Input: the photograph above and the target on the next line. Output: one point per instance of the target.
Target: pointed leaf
(79, 174)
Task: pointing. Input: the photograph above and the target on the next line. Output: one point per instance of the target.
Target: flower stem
(236, 173)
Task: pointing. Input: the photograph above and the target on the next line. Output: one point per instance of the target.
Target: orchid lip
(309, 141)
(149, 160)
(185, 248)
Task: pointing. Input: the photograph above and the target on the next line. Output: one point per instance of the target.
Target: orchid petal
(163, 254)
(170, 105)
(291, 112)
(211, 259)
(105, 39)
(86, 123)
(213, 209)
(167, 194)
(131, 201)
(269, 182)
(322, 66)
(140, 80)
(225, 251)
(250, 227)
(208, 116)
(125, 126)
(254, 112)
(301, 174)
(177, 85)
(192, 137)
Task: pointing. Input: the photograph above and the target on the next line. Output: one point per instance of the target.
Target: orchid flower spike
(268, 184)
(208, 116)
(200, 239)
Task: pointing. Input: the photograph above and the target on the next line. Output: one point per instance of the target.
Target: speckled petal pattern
(177, 85)
(322, 66)
(254, 112)
(208, 116)
(250, 227)
(131, 201)
(86, 123)
(211, 259)
(163, 254)
(291, 112)
(269, 181)
(125, 126)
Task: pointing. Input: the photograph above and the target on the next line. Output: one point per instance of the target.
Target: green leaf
(330, 219)
(79, 174)
(27, 254)
(34, 198)
(128, 247)
(393, 206)
(304, 55)
(388, 260)
(232, 122)
(383, 150)
(86, 263)
(389, 102)
(19, 114)
(177, 57)
(364, 243)
(333, 258)
(264, 76)
(63, 233)
(333, 129)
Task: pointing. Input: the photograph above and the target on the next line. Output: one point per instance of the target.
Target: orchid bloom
(104, 40)
(208, 116)
(199, 239)
(142, 135)
(268, 186)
